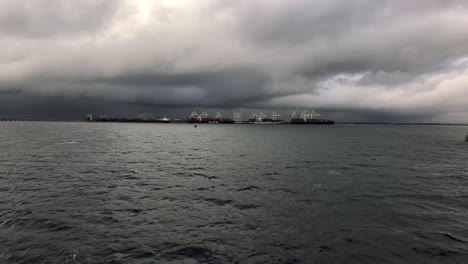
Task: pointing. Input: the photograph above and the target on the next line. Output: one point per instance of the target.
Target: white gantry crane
(254, 116)
(204, 115)
(306, 115)
(294, 114)
(194, 115)
(275, 115)
(314, 115)
(236, 117)
(261, 116)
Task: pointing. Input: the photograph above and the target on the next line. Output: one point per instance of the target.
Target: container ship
(306, 118)
(262, 119)
(205, 118)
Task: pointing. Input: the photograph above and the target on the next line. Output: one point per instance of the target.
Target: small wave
(350, 240)
(196, 169)
(246, 206)
(286, 190)
(130, 177)
(209, 177)
(223, 223)
(452, 237)
(109, 219)
(196, 253)
(290, 261)
(89, 172)
(54, 226)
(220, 202)
(324, 248)
(436, 252)
(249, 188)
(144, 255)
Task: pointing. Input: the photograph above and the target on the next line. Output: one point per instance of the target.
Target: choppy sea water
(172, 193)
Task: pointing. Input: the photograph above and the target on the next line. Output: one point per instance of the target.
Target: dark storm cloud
(11, 91)
(64, 108)
(297, 21)
(389, 58)
(355, 36)
(238, 85)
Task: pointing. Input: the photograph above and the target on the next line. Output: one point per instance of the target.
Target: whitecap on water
(334, 172)
(69, 142)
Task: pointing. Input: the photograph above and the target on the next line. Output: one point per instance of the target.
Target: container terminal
(296, 118)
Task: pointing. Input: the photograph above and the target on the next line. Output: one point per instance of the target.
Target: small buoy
(194, 125)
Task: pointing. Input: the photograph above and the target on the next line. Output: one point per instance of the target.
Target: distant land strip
(402, 124)
(6, 119)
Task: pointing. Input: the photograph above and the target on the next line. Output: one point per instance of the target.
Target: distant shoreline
(401, 124)
(337, 123)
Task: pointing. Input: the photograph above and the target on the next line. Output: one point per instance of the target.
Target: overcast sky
(352, 60)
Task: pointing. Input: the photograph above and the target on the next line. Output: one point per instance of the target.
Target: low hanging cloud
(404, 58)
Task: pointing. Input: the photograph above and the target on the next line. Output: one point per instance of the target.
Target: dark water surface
(172, 193)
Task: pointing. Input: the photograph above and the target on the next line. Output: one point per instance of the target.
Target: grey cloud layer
(405, 57)
(50, 18)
